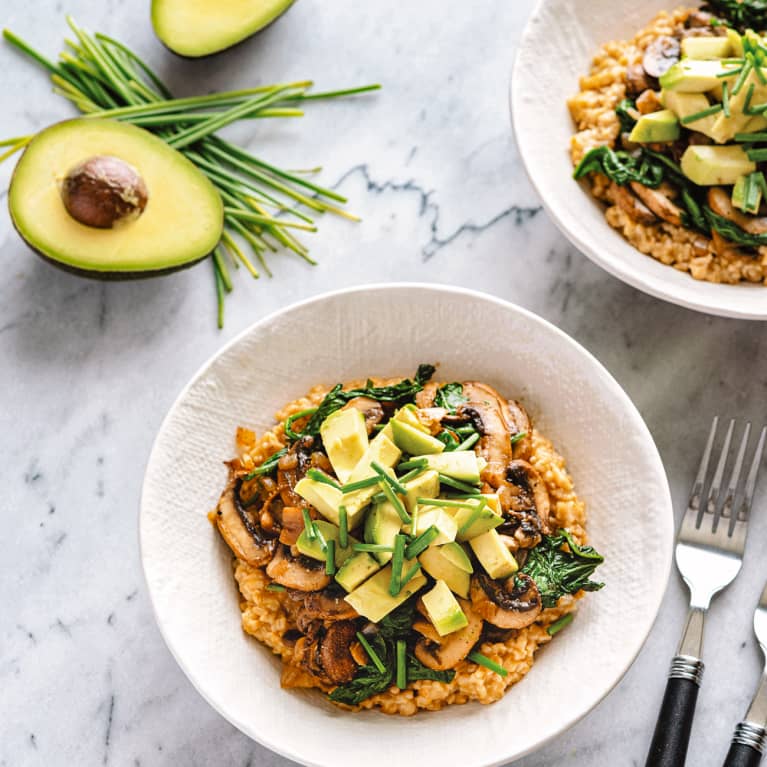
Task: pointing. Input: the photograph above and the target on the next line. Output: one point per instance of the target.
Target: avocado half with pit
(195, 28)
(106, 199)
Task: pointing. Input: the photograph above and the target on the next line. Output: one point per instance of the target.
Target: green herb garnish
(352, 486)
(450, 396)
(401, 676)
(325, 479)
(397, 560)
(275, 587)
(330, 557)
(343, 527)
(372, 654)
(621, 166)
(268, 466)
(558, 625)
(624, 117)
(458, 485)
(518, 437)
(393, 483)
(395, 501)
(421, 542)
(371, 547)
(726, 99)
(469, 442)
(712, 110)
(311, 530)
(414, 463)
(291, 419)
(483, 660)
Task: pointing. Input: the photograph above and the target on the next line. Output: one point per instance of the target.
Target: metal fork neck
(691, 645)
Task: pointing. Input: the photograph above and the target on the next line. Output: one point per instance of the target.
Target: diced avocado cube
(325, 498)
(414, 441)
(693, 76)
(655, 127)
(458, 464)
(715, 165)
(408, 414)
(486, 520)
(313, 547)
(425, 485)
(381, 527)
(443, 609)
(384, 452)
(746, 195)
(493, 555)
(685, 104)
(345, 439)
(706, 47)
(357, 569)
(372, 599)
(456, 554)
(435, 561)
(437, 516)
(736, 42)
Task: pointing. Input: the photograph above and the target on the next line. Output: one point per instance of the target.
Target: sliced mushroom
(631, 204)
(292, 525)
(724, 248)
(370, 408)
(521, 424)
(335, 654)
(454, 647)
(426, 629)
(297, 572)
(328, 605)
(525, 504)
(698, 18)
(425, 397)
(721, 203)
(660, 55)
(658, 203)
(637, 80)
(513, 604)
(292, 467)
(242, 534)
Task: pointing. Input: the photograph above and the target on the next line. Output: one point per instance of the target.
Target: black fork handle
(746, 747)
(672, 731)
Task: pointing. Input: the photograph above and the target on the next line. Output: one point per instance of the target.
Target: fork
(750, 737)
(709, 553)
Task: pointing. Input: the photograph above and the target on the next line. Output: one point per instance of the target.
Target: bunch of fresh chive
(103, 78)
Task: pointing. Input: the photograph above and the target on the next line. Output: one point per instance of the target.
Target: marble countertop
(89, 369)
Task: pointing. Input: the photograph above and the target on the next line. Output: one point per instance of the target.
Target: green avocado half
(148, 209)
(196, 28)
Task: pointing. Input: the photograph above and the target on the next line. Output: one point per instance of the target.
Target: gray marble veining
(88, 370)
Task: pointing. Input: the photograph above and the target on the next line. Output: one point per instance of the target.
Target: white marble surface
(89, 369)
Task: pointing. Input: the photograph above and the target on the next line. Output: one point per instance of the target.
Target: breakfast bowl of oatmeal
(361, 524)
(658, 113)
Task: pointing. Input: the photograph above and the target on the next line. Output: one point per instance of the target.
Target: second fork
(709, 553)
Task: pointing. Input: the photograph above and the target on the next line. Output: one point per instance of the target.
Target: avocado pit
(103, 191)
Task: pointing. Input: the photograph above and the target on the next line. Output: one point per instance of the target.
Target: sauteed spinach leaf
(626, 120)
(741, 13)
(450, 396)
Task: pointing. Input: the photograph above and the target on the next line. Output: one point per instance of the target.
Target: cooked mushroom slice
(242, 534)
(513, 604)
(297, 572)
(425, 397)
(658, 203)
(630, 204)
(637, 80)
(525, 503)
(721, 203)
(521, 425)
(454, 647)
(370, 408)
(328, 605)
(660, 55)
(335, 654)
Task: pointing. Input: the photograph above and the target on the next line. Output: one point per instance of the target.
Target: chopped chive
(401, 678)
(275, 587)
(293, 418)
(760, 75)
(396, 485)
(749, 96)
(462, 486)
(469, 442)
(483, 660)
(558, 625)
(352, 486)
(320, 537)
(330, 557)
(413, 463)
(517, 437)
(311, 530)
(320, 476)
(447, 502)
(377, 662)
(409, 574)
(703, 113)
(414, 524)
(726, 99)
(378, 498)
(268, 466)
(742, 77)
(421, 543)
(395, 584)
(394, 501)
(379, 426)
(465, 430)
(750, 138)
(343, 527)
(412, 474)
(473, 517)
(757, 155)
(731, 72)
(371, 547)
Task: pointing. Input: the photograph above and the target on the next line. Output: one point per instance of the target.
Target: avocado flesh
(715, 165)
(656, 127)
(197, 28)
(181, 223)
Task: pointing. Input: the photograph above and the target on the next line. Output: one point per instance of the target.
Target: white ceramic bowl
(387, 330)
(561, 38)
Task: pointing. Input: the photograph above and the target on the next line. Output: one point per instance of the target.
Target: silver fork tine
(716, 482)
(753, 475)
(732, 488)
(697, 488)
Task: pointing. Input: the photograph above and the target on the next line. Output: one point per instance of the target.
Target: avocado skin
(203, 56)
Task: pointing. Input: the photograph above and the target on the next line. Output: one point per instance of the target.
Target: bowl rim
(632, 411)
(614, 266)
